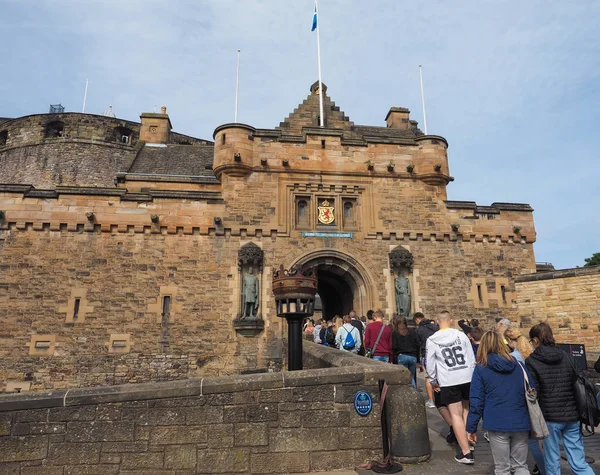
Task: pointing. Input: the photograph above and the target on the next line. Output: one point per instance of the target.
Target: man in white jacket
(450, 365)
(342, 335)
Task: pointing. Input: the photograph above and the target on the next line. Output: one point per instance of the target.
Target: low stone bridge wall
(286, 422)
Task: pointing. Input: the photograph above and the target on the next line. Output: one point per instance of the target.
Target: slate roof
(174, 159)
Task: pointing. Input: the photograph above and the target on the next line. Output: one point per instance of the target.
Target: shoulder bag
(539, 429)
(370, 352)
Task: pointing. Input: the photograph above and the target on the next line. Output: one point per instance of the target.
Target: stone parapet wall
(568, 300)
(268, 423)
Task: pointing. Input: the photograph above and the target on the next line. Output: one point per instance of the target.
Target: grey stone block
(77, 413)
(233, 460)
(99, 431)
(73, 454)
(180, 456)
(298, 462)
(16, 449)
(249, 435)
(409, 433)
(301, 440)
(262, 412)
(178, 435)
(142, 461)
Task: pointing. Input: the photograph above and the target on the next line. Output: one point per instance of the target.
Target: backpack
(330, 337)
(349, 342)
(587, 403)
(327, 336)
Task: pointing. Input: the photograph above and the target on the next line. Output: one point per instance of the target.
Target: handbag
(371, 351)
(539, 429)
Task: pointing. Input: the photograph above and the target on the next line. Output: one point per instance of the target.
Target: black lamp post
(294, 292)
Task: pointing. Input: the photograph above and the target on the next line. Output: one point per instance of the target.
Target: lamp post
(294, 291)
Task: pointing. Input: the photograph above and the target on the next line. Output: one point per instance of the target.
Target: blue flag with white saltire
(314, 22)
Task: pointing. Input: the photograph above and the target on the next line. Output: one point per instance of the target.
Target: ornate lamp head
(294, 291)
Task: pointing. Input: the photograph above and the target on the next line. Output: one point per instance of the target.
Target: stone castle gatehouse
(129, 252)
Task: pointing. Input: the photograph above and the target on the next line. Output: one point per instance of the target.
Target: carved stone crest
(326, 215)
(400, 258)
(251, 255)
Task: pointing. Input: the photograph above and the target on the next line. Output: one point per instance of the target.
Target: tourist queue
(522, 390)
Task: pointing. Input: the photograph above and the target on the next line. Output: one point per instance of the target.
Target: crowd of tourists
(526, 392)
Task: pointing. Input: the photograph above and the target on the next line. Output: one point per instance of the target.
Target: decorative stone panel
(42, 345)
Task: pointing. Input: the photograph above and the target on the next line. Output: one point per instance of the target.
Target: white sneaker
(430, 404)
(486, 436)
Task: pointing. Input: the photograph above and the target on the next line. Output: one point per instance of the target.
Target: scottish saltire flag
(314, 23)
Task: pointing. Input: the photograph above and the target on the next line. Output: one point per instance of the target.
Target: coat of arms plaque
(326, 215)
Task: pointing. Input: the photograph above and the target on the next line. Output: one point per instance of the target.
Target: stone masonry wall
(255, 424)
(568, 300)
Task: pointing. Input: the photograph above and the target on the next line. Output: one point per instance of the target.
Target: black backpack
(330, 337)
(327, 336)
(587, 402)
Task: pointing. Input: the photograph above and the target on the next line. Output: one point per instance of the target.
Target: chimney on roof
(155, 128)
(398, 118)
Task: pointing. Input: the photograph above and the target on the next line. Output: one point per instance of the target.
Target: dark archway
(344, 283)
(336, 294)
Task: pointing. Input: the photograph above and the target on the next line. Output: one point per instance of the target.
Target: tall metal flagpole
(237, 86)
(423, 99)
(322, 117)
(85, 94)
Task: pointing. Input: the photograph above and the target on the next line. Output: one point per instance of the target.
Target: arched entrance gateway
(343, 282)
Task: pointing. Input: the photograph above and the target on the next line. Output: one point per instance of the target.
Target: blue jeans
(385, 359)
(538, 455)
(573, 444)
(409, 362)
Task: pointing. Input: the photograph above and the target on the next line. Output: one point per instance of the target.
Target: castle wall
(568, 300)
(122, 265)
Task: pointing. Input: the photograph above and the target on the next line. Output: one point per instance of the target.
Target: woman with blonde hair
(498, 395)
(521, 349)
(520, 346)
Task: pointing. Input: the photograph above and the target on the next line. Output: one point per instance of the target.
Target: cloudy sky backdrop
(512, 85)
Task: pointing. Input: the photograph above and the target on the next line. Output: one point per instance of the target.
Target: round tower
(234, 150)
(431, 159)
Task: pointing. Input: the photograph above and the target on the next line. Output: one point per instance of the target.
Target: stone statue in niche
(401, 263)
(402, 287)
(249, 295)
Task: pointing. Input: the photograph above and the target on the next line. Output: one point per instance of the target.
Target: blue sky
(513, 86)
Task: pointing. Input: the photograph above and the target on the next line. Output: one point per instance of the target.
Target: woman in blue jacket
(498, 395)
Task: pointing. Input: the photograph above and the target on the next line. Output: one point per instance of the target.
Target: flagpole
(85, 95)
(423, 99)
(322, 117)
(237, 86)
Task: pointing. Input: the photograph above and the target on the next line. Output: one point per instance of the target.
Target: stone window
(55, 129)
(123, 135)
(42, 345)
(3, 137)
(302, 212)
(223, 139)
(349, 216)
(166, 310)
(77, 307)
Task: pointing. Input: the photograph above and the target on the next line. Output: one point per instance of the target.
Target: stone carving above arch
(251, 255)
(401, 258)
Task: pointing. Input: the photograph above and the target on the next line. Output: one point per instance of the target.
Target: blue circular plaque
(363, 403)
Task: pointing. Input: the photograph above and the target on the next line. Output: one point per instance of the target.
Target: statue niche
(250, 259)
(401, 263)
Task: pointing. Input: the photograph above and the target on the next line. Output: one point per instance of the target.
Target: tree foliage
(593, 261)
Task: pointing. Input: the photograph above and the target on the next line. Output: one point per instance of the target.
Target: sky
(512, 85)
